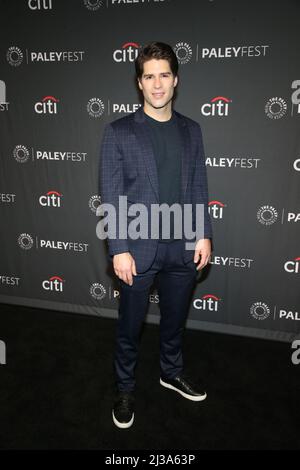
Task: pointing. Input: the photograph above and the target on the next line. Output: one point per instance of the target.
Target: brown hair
(156, 50)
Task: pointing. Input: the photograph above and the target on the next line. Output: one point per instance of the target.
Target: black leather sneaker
(123, 410)
(185, 387)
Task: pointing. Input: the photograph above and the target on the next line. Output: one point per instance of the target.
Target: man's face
(157, 83)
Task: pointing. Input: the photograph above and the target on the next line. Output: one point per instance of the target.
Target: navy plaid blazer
(128, 167)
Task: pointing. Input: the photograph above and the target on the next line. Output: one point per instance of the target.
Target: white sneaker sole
(122, 425)
(185, 395)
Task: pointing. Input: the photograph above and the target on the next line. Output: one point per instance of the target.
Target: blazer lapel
(144, 140)
(186, 155)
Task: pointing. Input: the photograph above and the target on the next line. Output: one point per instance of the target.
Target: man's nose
(157, 83)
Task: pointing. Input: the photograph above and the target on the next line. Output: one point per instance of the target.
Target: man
(154, 156)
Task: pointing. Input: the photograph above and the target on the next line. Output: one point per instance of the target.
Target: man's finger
(203, 263)
(129, 278)
(134, 268)
(196, 256)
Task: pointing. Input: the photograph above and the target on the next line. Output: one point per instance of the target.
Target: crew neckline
(160, 123)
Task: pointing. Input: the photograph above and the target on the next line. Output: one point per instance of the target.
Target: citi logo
(207, 302)
(128, 53)
(40, 4)
(55, 283)
(218, 106)
(215, 209)
(292, 266)
(48, 105)
(51, 199)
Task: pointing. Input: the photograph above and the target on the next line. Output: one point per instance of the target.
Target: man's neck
(162, 114)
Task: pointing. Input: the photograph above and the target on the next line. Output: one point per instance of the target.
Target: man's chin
(159, 105)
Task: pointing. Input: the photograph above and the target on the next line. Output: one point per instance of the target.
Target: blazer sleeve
(200, 186)
(111, 184)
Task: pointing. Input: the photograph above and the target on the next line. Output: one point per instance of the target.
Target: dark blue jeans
(176, 281)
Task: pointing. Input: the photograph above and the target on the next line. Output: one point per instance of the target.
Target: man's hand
(203, 250)
(124, 266)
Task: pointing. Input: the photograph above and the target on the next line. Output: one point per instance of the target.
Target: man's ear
(139, 84)
(175, 81)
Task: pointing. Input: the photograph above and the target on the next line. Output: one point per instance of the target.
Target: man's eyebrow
(162, 73)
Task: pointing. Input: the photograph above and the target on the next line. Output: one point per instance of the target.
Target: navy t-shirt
(167, 147)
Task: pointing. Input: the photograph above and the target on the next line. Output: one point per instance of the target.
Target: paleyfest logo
(95, 107)
(183, 52)
(260, 310)
(275, 108)
(267, 215)
(97, 291)
(93, 5)
(14, 56)
(25, 241)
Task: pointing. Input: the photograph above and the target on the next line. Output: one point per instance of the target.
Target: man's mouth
(158, 95)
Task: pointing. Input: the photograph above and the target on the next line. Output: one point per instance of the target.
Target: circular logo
(296, 164)
(25, 241)
(183, 52)
(14, 56)
(95, 107)
(260, 311)
(93, 4)
(275, 108)
(267, 215)
(94, 203)
(97, 291)
(21, 154)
